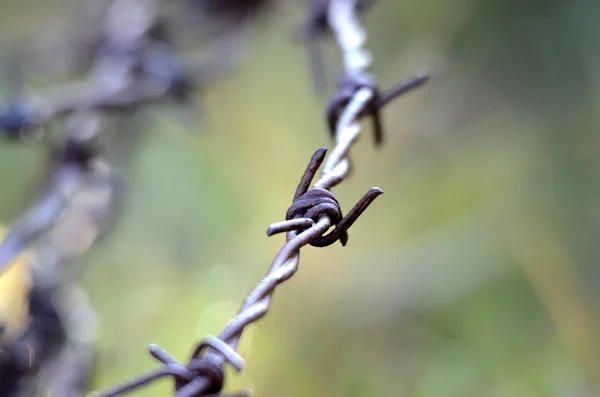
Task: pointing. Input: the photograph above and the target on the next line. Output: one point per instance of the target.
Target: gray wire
(350, 37)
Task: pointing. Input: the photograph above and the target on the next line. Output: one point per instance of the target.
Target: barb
(313, 212)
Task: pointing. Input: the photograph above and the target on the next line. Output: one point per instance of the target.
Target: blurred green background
(474, 275)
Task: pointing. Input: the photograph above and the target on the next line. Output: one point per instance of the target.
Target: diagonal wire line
(313, 212)
(114, 85)
(350, 36)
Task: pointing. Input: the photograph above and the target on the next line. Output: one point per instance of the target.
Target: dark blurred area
(475, 273)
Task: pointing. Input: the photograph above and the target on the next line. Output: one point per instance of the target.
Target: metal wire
(131, 68)
(313, 212)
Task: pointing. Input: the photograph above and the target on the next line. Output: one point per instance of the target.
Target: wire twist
(313, 211)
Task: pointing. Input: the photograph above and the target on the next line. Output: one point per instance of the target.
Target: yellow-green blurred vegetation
(475, 274)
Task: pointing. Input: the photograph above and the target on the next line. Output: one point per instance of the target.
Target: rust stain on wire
(313, 212)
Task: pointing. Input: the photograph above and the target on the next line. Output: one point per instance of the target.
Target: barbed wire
(314, 29)
(313, 212)
(133, 66)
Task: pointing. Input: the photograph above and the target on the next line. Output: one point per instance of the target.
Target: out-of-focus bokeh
(475, 274)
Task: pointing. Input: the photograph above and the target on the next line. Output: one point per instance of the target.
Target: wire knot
(315, 204)
(206, 366)
(309, 206)
(349, 85)
(206, 369)
(202, 376)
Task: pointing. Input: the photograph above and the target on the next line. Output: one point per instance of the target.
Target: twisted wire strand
(300, 231)
(126, 44)
(351, 38)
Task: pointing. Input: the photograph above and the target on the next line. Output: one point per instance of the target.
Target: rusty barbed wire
(313, 212)
(134, 65)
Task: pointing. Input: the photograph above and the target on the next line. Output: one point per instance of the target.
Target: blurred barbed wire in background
(132, 63)
(313, 211)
